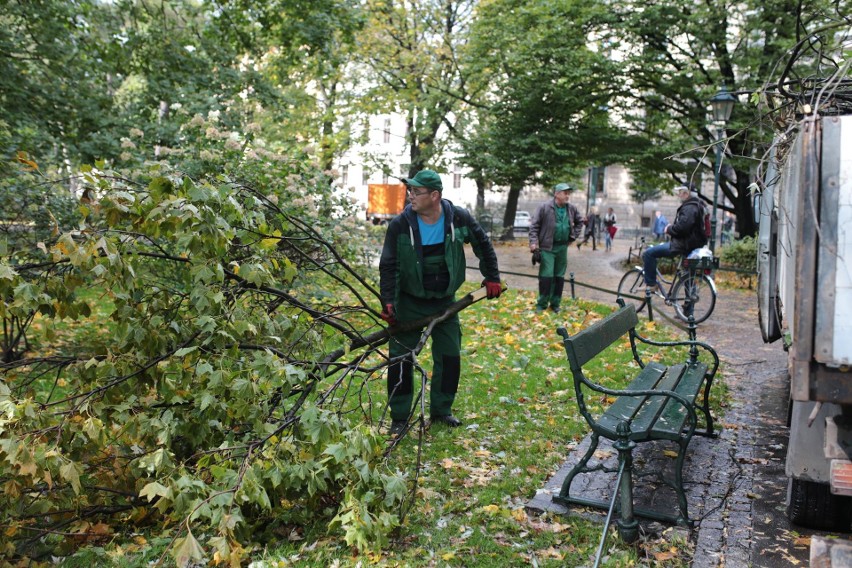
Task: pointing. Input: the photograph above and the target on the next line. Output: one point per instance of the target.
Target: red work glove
(389, 314)
(492, 289)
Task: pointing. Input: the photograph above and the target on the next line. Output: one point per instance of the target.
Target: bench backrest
(584, 346)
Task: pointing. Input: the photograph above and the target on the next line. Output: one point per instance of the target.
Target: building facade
(383, 158)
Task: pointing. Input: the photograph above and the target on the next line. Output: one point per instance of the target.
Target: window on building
(365, 177)
(456, 181)
(385, 179)
(596, 183)
(387, 131)
(600, 187)
(344, 175)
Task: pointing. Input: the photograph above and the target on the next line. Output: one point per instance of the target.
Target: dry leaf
(550, 553)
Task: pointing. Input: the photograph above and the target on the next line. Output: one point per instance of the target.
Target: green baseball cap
(425, 178)
(562, 187)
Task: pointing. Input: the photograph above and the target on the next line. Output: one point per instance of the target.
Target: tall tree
(54, 91)
(307, 51)
(547, 114)
(411, 49)
(678, 54)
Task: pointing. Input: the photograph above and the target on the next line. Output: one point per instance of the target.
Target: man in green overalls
(554, 226)
(421, 267)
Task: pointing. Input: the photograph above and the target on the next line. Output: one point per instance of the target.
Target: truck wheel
(811, 504)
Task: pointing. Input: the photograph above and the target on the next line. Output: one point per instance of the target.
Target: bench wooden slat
(644, 420)
(625, 407)
(584, 346)
(673, 417)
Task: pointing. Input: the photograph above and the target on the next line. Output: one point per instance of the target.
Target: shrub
(209, 403)
(741, 254)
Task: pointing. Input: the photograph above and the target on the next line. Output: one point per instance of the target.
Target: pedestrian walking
(421, 267)
(728, 228)
(555, 225)
(591, 232)
(660, 223)
(610, 228)
(686, 233)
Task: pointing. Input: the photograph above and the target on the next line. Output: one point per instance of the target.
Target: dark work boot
(544, 286)
(448, 419)
(398, 427)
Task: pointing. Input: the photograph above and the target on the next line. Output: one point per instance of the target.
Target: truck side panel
(833, 331)
(385, 200)
(769, 311)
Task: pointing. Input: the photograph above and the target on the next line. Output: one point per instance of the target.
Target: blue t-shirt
(431, 234)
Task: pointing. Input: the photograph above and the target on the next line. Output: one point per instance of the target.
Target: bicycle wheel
(694, 293)
(633, 284)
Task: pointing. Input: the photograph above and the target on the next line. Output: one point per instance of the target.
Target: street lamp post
(722, 103)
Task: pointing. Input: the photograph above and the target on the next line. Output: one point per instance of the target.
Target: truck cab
(805, 301)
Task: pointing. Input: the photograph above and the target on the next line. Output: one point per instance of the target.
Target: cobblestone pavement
(735, 483)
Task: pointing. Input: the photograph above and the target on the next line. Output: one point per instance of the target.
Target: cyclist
(686, 234)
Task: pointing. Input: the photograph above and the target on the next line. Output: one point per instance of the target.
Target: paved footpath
(736, 484)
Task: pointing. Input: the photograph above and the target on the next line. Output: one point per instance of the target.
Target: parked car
(522, 221)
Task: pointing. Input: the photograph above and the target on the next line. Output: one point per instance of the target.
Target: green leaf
(155, 461)
(207, 399)
(338, 451)
(6, 272)
(71, 474)
(154, 490)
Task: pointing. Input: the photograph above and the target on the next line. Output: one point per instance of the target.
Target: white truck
(805, 299)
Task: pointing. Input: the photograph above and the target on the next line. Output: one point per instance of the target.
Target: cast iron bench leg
(681, 493)
(565, 492)
(628, 526)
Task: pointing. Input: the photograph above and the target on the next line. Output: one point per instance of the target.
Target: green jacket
(401, 264)
(543, 224)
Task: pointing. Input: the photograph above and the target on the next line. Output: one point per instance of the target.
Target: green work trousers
(446, 360)
(551, 276)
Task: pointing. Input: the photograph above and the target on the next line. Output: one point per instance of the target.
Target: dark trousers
(649, 258)
(551, 276)
(586, 239)
(446, 360)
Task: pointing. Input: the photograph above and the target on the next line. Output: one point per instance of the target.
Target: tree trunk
(511, 208)
(744, 206)
(480, 193)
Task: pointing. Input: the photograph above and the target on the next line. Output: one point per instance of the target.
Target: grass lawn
(516, 402)
(520, 420)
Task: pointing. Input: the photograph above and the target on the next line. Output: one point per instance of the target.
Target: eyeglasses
(414, 193)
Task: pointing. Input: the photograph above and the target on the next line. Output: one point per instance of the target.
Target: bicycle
(691, 290)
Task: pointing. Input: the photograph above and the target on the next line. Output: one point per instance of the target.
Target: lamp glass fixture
(723, 105)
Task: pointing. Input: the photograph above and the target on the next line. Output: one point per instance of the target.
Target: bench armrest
(693, 344)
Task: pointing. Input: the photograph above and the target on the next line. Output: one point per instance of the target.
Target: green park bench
(659, 404)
